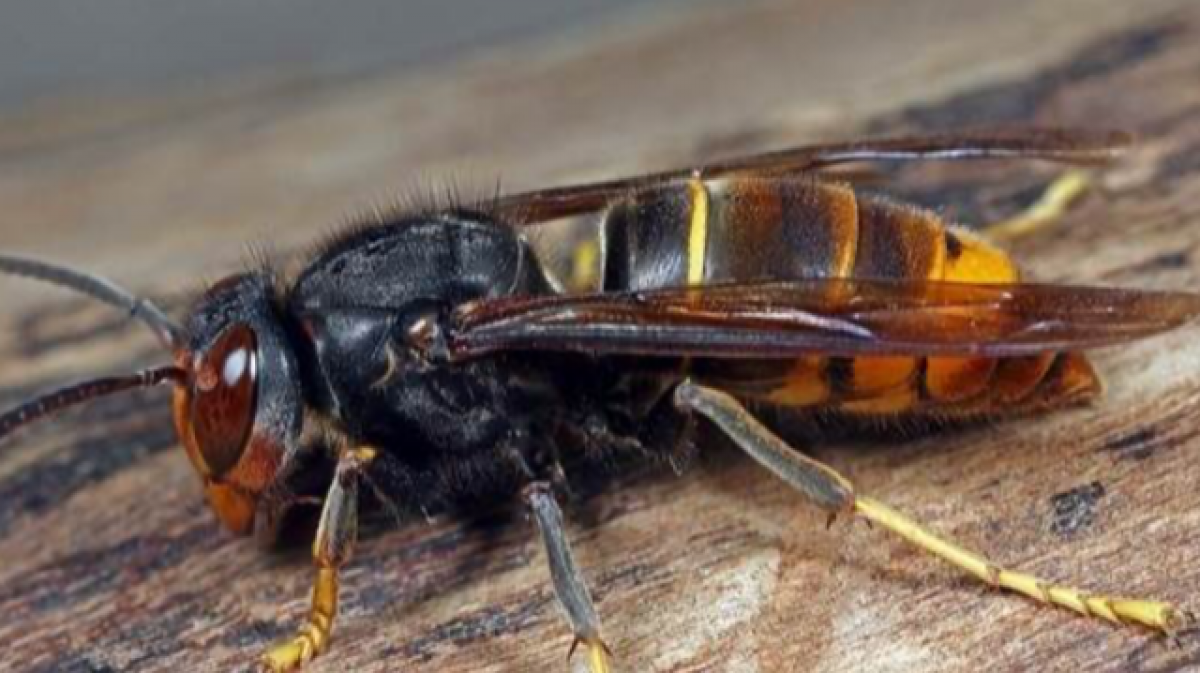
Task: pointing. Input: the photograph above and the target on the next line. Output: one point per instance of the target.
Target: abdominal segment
(755, 228)
(948, 387)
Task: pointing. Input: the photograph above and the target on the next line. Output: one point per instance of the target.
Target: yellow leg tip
(598, 655)
(287, 656)
(293, 654)
(1156, 615)
(1052, 205)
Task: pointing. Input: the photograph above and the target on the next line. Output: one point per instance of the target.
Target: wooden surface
(111, 561)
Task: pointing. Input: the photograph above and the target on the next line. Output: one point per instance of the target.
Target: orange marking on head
(233, 506)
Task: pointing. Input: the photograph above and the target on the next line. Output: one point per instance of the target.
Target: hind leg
(1050, 207)
(837, 495)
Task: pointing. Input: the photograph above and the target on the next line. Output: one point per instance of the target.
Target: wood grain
(112, 563)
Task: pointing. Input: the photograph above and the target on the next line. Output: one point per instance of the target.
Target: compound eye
(224, 399)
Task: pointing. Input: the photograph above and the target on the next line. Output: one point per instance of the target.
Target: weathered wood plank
(111, 561)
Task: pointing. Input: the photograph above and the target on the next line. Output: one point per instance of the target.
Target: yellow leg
(332, 548)
(1052, 205)
(312, 638)
(1153, 614)
(835, 493)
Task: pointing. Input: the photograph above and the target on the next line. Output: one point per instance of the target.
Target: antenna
(168, 332)
(82, 392)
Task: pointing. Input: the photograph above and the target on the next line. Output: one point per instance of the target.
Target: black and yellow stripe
(745, 228)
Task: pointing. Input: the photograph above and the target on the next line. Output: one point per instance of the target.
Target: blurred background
(53, 49)
(206, 125)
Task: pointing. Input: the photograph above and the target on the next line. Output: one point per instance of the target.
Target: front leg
(569, 585)
(332, 548)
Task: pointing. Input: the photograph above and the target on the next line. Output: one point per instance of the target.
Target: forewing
(829, 317)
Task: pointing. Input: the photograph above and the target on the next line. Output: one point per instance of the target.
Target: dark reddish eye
(224, 398)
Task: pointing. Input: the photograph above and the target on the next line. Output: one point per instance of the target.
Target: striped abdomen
(759, 228)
